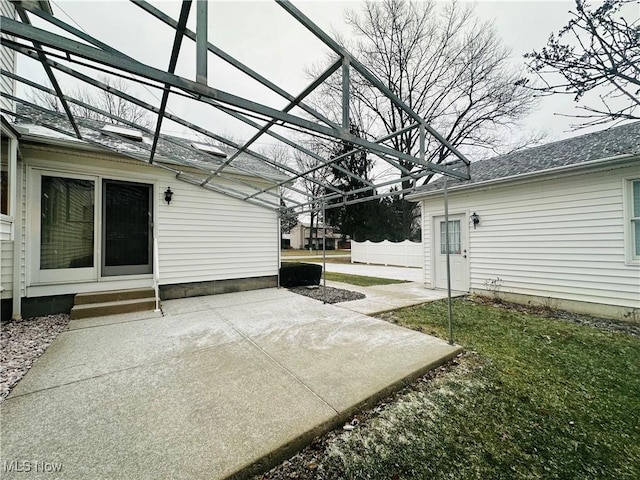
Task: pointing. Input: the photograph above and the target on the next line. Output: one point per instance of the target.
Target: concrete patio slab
(207, 390)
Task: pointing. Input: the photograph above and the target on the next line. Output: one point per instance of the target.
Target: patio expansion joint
(280, 365)
(112, 372)
(76, 329)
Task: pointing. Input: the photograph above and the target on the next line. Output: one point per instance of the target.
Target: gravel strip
(334, 295)
(21, 342)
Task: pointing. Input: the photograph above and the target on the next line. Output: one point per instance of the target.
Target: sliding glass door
(65, 225)
(84, 227)
(127, 228)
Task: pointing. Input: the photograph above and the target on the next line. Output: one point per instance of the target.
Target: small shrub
(299, 274)
(493, 286)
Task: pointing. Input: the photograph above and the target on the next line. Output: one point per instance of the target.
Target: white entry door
(457, 253)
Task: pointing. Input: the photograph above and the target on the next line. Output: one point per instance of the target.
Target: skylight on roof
(209, 149)
(124, 132)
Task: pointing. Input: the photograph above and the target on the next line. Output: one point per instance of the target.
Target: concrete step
(101, 309)
(113, 296)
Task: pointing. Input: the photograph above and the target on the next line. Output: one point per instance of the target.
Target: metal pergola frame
(56, 52)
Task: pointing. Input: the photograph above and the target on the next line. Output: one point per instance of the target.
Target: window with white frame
(634, 218)
(455, 240)
(8, 155)
(5, 167)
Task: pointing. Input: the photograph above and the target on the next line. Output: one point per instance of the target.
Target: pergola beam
(201, 40)
(201, 91)
(326, 74)
(166, 19)
(240, 195)
(97, 55)
(364, 71)
(151, 108)
(179, 174)
(173, 61)
(52, 78)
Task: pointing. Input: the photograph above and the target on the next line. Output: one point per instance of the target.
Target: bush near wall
(299, 274)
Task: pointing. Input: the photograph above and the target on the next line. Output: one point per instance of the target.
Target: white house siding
(208, 236)
(202, 235)
(6, 275)
(7, 244)
(7, 59)
(557, 237)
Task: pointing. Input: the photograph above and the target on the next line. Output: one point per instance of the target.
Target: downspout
(156, 272)
(16, 231)
(279, 237)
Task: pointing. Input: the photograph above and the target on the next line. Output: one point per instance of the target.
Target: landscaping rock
(21, 342)
(334, 295)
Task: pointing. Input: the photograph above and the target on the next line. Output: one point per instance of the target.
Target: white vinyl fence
(402, 254)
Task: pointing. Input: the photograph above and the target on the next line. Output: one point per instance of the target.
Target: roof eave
(87, 147)
(10, 127)
(416, 197)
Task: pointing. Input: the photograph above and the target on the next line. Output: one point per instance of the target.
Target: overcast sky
(262, 35)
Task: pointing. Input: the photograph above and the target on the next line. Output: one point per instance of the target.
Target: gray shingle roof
(173, 149)
(612, 142)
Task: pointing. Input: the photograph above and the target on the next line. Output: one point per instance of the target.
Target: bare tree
(447, 66)
(100, 99)
(284, 156)
(312, 183)
(596, 53)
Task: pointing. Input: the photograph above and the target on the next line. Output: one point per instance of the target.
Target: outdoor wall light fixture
(475, 219)
(168, 194)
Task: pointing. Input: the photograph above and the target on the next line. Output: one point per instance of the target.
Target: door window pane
(454, 238)
(127, 216)
(66, 239)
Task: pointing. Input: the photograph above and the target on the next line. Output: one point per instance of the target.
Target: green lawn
(532, 397)
(360, 280)
(313, 253)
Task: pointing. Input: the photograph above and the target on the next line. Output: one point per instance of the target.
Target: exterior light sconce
(475, 219)
(168, 195)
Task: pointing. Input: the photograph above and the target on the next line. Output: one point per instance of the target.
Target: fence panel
(402, 254)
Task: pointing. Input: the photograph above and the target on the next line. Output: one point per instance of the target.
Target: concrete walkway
(214, 385)
(383, 298)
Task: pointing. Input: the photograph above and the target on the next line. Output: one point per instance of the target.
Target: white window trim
(39, 278)
(627, 191)
(13, 179)
(37, 275)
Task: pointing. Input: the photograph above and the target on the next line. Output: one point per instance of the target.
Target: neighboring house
(80, 218)
(285, 241)
(301, 236)
(558, 224)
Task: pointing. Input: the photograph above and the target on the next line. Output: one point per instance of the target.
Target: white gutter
(25, 135)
